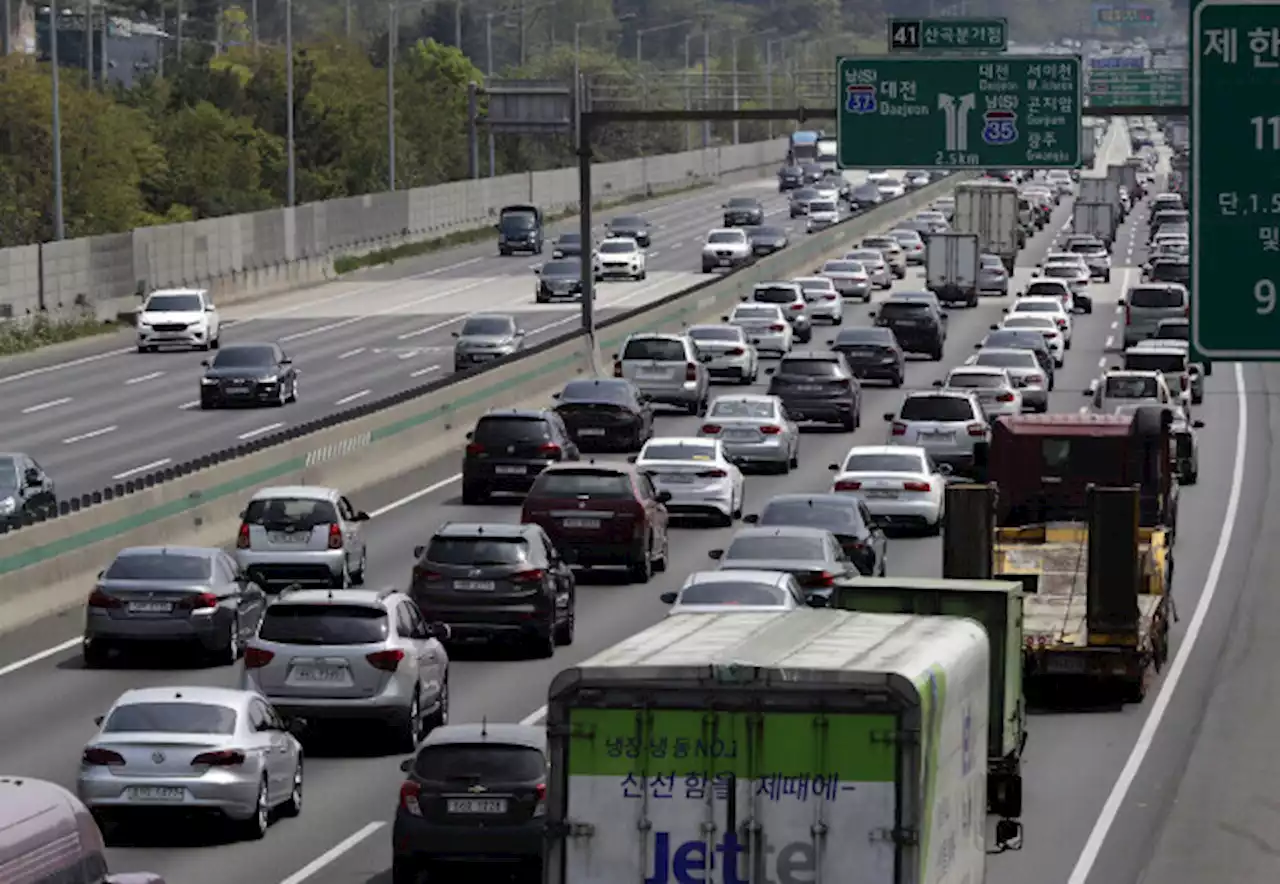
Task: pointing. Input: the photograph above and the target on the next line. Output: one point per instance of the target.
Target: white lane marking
(409, 354)
(187, 406)
(258, 432)
(1084, 409)
(384, 311)
(1110, 340)
(353, 397)
(145, 468)
(1115, 324)
(334, 852)
(420, 372)
(1142, 746)
(1119, 308)
(52, 403)
(1102, 363)
(534, 717)
(92, 434)
(416, 495)
(350, 353)
(38, 656)
(143, 378)
(46, 369)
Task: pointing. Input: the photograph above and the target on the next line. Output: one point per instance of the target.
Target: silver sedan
(755, 430)
(193, 749)
(850, 278)
(875, 264)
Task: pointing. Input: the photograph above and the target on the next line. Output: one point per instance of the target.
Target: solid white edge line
(38, 656)
(1146, 737)
(333, 853)
(534, 717)
(154, 465)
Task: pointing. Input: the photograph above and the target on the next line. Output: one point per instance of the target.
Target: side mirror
(978, 346)
(497, 227)
(406, 765)
(100, 573)
(555, 395)
(419, 551)
(470, 436)
(770, 370)
(454, 334)
(751, 519)
(439, 631)
(818, 601)
(209, 308)
(871, 313)
(1004, 309)
(945, 469)
(724, 319)
(1088, 392)
(362, 516)
(664, 496)
(668, 598)
(1121, 302)
(617, 358)
(994, 327)
(519, 333)
(204, 362)
(631, 458)
(98, 719)
(704, 358)
(888, 416)
(295, 726)
(1198, 425)
(716, 554)
(938, 383)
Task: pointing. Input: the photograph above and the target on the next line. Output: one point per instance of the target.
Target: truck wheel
(936, 355)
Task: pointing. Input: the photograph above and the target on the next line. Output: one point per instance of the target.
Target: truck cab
(520, 230)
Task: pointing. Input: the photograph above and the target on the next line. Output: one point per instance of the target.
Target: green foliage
(41, 330)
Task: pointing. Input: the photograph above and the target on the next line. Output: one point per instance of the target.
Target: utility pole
(59, 229)
(768, 72)
(291, 174)
(706, 82)
(6, 28)
(488, 55)
(102, 49)
(88, 41)
(392, 29)
(457, 24)
(253, 12)
(178, 33)
(346, 12)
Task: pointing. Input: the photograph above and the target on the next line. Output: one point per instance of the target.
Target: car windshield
(744, 408)
(822, 206)
(477, 551)
(768, 233)
(244, 357)
(692, 452)
(657, 349)
(159, 566)
(818, 368)
(507, 430)
(884, 463)
(569, 239)
(327, 624)
(1168, 363)
(171, 718)
(785, 547)
(1007, 359)
(936, 408)
(1045, 289)
(518, 220)
(712, 333)
(597, 484)
(773, 295)
(487, 325)
(1130, 388)
(850, 267)
(1170, 271)
(1156, 298)
(282, 513)
(616, 247)
(597, 391)
(1173, 331)
(174, 304)
(628, 222)
(741, 202)
(973, 380)
(562, 268)
(812, 512)
(724, 237)
(480, 763)
(1024, 321)
(731, 593)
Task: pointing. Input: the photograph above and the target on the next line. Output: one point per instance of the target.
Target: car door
(783, 417)
(656, 510)
(432, 661)
(274, 747)
(352, 534)
(876, 535)
(252, 600)
(288, 760)
(562, 578)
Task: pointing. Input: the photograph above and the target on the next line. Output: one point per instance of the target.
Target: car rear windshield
(1036, 307)
(904, 309)
(1173, 331)
(745, 408)
(1088, 248)
(1062, 271)
(659, 349)
(476, 763)
(936, 408)
(727, 593)
(1045, 289)
(678, 451)
(991, 262)
(1130, 388)
(879, 242)
(299, 513)
(715, 334)
(755, 313)
(785, 547)
(171, 718)
(329, 624)
(867, 255)
(505, 430)
(829, 515)
(884, 463)
(1171, 363)
(975, 380)
(477, 551)
(842, 267)
(1170, 271)
(1021, 359)
(1160, 298)
(599, 484)
(596, 391)
(159, 566)
(774, 295)
(817, 368)
(880, 337)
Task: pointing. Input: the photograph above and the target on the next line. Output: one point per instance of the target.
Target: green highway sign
(1235, 191)
(1118, 87)
(948, 34)
(986, 112)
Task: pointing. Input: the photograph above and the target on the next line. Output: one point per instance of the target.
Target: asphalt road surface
(98, 411)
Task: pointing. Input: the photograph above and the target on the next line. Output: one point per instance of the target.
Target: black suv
(474, 792)
(496, 582)
(872, 354)
(519, 230)
(743, 211)
(817, 386)
(509, 448)
(789, 178)
(919, 324)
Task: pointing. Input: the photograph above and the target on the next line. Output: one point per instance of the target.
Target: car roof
(600, 466)
(691, 441)
(502, 530)
(495, 733)
(523, 413)
(884, 449)
(781, 531)
(774, 578)
(744, 397)
(217, 696)
(950, 394)
(1034, 299)
(978, 369)
(303, 492)
(828, 498)
(1020, 351)
(197, 552)
(367, 598)
(653, 336)
(179, 291)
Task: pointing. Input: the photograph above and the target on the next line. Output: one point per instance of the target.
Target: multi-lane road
(1098, 784)
(100, 412)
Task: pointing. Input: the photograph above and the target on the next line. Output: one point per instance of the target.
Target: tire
(231, 651)
(794, 462)
(357, 576)
(641, 570)
(564, 632)
(404, 871)
(293, 804)
(695, 408)
(255, 827)
(217, 341)
(896, 381)
(96, 654)
(440, 717)
(659, 563)
(408, 730)
(543, 647)
(839, 320)
(936, 355)
(746, 380)
(473, 494)
(849, 424)
(293, 391)
(866, 299)
(342, 579)
(1066, 345)
(142, 349)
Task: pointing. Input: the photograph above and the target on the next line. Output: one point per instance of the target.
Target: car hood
(486, 341)
(172, 316)
(255, 372)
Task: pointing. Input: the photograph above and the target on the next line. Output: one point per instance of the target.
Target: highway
(1073, 761)
(99, 412)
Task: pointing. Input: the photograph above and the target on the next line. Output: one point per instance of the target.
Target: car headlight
(208, 382)
(271, 380)
(8, 505)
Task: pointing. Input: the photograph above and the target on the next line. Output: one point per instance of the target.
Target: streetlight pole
(577, 65)
(291, 175)
(59, 230)
(653, 30)
(253, 12)
(688, 95)
(706, 83)
(457, 24)
(736, 97)
(488, 64)
(392, 33)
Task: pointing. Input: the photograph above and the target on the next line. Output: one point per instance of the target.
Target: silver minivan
(301, 534)
(666, 368)
(1145, 305)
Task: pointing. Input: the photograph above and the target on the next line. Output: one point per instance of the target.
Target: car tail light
(475, 448)
(710, 429)
(1035, 379)
(99, 599)
(424, 575)
(617, 369)
(409, 794)
(550, 449)
(1062, 323)
(691, 372)
(828, 297)
(771, 430)
(916, 486)
(848, 485)
(256, 658)
(977, 428)
(1005, 397)
(898, 428)
(335, 537)
(540, 791)
(797, 306)
(387, 661)
(96, 757)
(736, 351)
(203, 600)
(712, 474)
(776, 327)
(221, 758)
(533, 575)
(242, 539)
(1186, 310)
(822, 579)
(1049, 335)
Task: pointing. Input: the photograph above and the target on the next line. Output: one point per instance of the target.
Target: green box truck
(997, 605)
(787, 747)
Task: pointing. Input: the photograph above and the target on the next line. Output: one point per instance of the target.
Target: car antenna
(484, 726)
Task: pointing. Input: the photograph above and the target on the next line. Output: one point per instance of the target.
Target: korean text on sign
(769, 787)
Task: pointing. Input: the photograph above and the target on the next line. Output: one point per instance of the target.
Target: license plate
(473, 584)
(740, 434)
(150, 607)
(509, 471)
(481, 357)
(156, 793)
(591, 524)
(477, 805)
(651, 375)
(1066, 664)
(591, 431)
(882, 494)
(289, 536)
(677, 478)
(724, 262)
(807, 388)
(907, 323)
(319, 673)
(237, 388)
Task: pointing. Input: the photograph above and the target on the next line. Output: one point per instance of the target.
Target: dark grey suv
(509, 448)
(817, 386)
(918, 324)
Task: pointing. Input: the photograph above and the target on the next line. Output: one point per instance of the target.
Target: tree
(431, 100)
(216, 162)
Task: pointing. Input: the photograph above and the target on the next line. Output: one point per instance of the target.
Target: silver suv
(303, 535)
(949, 424)
(790, 297)
(667, 368)
(1147, 304)
(484, 338)
(351, 654)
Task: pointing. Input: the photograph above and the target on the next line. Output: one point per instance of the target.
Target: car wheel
(293, 804)
(440, 717)
(473, 494)
(866, 299)
(839, 320)
(722, 520)
(1058, 363)
(660, 562)
(794, 462)
(230, 652)
(896, 380)
(95, 654)
(357, 576)
(694, 408)
(543, 646)
(217, 341)
(934, 528)
(405, 871)
(408, 730)
(746, 378)
(642, 568)
(1191, 477)
(1066, 345)
(255, 827)
(849, 423)
(936, 355)
(564, 632)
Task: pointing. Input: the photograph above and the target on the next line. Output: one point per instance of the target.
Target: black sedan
(248, 374)
(844, 515)
(789, 178)
(567, 245)
(872, 354)
(605, 414)
(813, 556)
(561, 278)
(866, 196)
(743, 211)
(632, 227)
(767, 240)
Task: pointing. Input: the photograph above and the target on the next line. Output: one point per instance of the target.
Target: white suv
(726, 247)
(178, 317)
(619, 256)
(948, 424)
